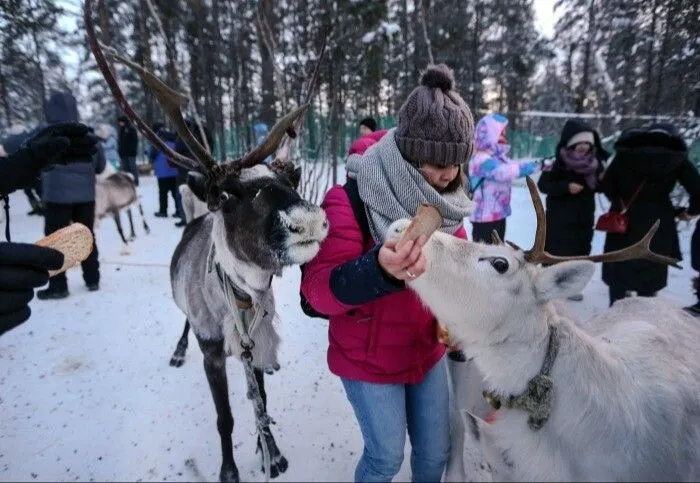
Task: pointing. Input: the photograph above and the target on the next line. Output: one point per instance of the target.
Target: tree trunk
(268, 112)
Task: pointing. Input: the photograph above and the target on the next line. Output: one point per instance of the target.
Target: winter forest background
(619, 62)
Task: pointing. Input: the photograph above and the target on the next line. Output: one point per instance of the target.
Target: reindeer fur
(263, 227)
(115, 191)
(193, 207)
(627, 383)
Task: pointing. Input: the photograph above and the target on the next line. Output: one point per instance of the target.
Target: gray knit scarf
(392, 189)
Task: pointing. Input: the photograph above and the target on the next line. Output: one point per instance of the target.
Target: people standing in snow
(165, 172)
(128, 147)
(491, 173)
(69, 196)
(647, 164)
(570, 184)
(383, 341)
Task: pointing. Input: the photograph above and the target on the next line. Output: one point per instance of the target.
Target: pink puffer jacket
(391, 339)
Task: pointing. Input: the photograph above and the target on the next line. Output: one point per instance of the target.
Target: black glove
(63, 142)
(23, 267)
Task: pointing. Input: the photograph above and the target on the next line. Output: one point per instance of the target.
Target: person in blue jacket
(165, 172)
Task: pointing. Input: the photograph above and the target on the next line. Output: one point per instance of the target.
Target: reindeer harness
(248, 316)
(537, 400)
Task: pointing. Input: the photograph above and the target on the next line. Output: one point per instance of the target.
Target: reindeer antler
(172, 96)
(640, 250)
(172, 103)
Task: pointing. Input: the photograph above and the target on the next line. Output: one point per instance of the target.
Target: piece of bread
(427, 220)
(74, 241)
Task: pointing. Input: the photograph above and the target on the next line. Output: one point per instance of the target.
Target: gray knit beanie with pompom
(435, 124)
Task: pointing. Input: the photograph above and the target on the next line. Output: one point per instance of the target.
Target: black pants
(128, 164)
(58, 215)
(618, 293)
(482, 231)
(165, 186)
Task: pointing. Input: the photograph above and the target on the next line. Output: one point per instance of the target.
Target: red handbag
(614, 221)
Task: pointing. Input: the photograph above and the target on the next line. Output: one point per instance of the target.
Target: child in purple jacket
(491, 173)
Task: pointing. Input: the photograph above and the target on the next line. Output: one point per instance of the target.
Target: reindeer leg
(178, 358)
(146, 228)
(278, 463)
(215, 369)
(132, 237)
(118, 222)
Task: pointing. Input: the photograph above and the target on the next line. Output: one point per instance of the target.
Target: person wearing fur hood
(491, 174)
(648, 163)
(383, 343)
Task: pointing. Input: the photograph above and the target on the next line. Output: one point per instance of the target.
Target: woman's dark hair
(370, 122)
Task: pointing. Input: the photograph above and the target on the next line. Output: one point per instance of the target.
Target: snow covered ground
(86, 392)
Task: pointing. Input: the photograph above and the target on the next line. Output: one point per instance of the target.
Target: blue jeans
(385, 411)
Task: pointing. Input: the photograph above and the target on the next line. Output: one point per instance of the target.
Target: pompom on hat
(435, 124)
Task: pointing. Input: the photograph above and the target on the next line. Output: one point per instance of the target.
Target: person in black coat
(570, 185)
(648, 161)
(128, 145)
(695, 263)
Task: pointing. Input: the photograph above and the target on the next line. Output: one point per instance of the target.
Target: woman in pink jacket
(383, 342)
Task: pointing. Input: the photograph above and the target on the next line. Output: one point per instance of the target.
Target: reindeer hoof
(278, 465)
(271, 368)
(177, 361)
(132, 238)
(229, 474)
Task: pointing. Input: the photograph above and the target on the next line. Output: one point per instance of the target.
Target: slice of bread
(74, 241)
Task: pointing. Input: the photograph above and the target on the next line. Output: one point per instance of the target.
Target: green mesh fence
(524, 143)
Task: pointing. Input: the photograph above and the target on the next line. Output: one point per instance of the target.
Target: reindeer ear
(197, 183)
(563, 279)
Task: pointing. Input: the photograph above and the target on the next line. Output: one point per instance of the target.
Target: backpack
(358, 209)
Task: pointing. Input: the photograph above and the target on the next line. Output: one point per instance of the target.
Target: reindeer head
(477, 290)
(258, 214)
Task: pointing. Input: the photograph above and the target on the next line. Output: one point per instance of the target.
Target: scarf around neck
(392, 189)
(584, 164)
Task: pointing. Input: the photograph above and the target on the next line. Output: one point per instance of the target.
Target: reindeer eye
(223, 197)
(499, 264)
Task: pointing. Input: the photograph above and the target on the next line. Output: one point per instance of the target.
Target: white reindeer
(615, 399)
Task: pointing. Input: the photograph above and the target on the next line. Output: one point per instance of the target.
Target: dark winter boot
(695, 309)
(37, 209)
(52, 293)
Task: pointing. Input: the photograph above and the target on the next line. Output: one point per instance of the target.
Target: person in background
(11, 143)
(368, 136)
(383, 342)
(69, 196)
(109, 146)
(491, 173)
(25, 266)
(648, 163)
(128, 141)
(695, 264)
(165, 173)
(181, 148)
(570, 184)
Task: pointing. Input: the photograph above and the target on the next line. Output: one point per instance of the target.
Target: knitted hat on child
(435, 124)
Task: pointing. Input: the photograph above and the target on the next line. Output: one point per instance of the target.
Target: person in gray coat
(68, 193)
